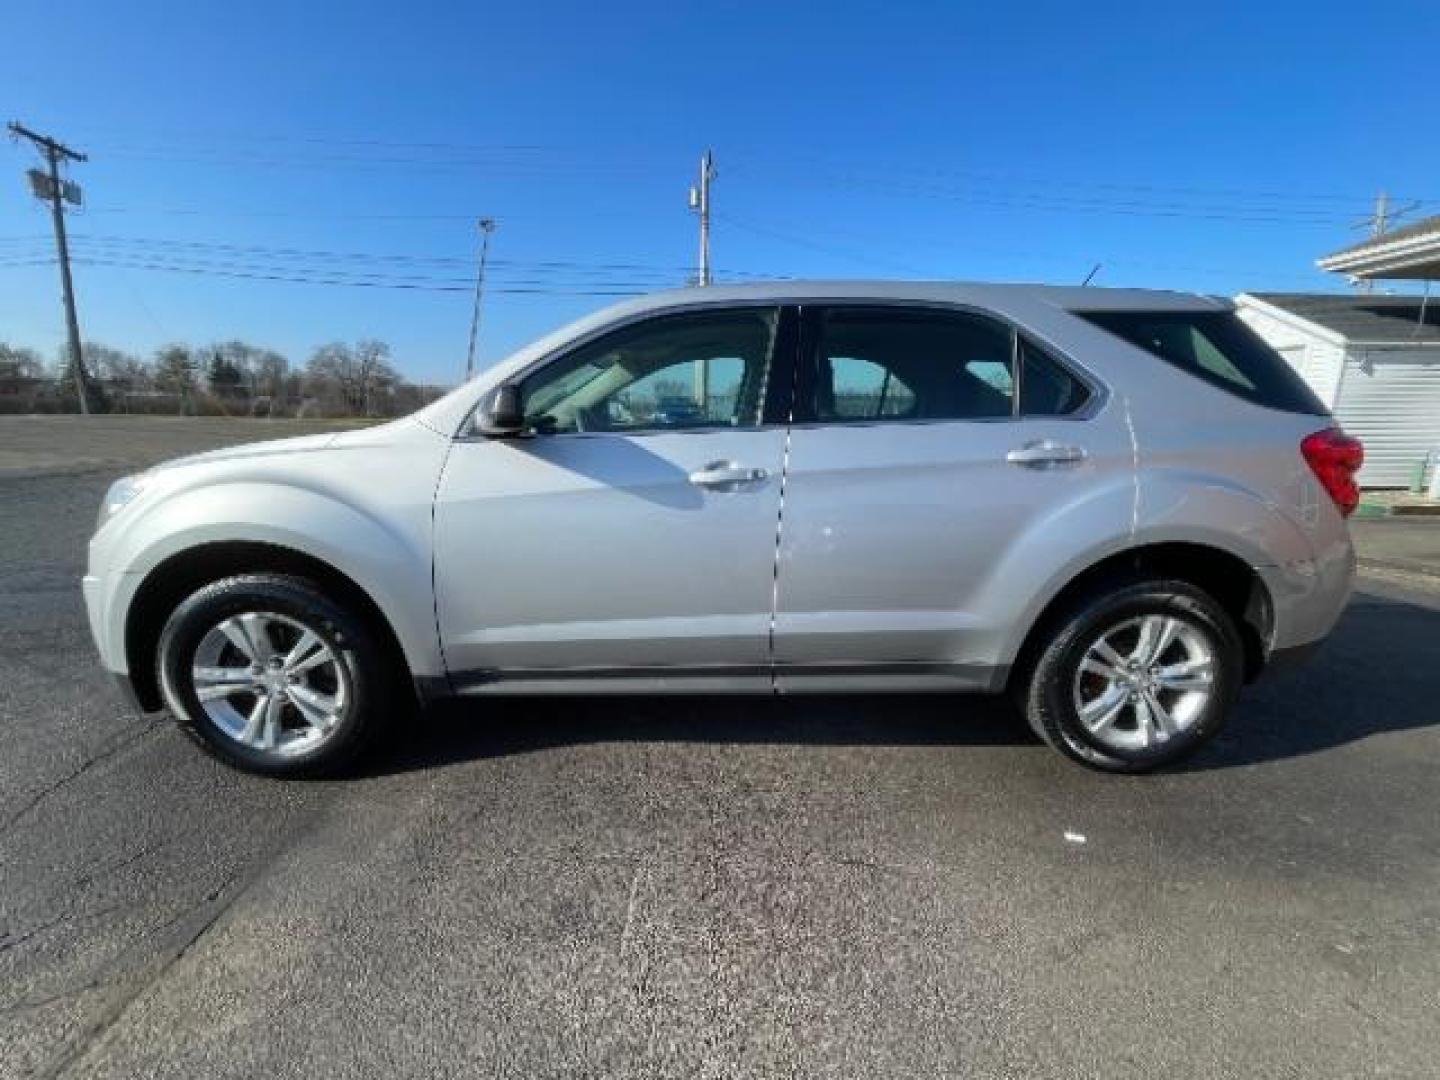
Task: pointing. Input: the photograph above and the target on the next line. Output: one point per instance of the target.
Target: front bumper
(92, 588)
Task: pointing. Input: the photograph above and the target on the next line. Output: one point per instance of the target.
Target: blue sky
(1215, 147)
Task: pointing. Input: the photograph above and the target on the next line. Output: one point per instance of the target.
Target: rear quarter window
(1216, 347)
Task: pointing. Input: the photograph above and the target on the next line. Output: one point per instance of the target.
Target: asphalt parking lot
(885, 886)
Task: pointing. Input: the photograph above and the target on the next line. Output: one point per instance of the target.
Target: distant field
(52, 445)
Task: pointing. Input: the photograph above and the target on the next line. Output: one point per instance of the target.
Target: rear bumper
(1307, 599)
(1292, 656)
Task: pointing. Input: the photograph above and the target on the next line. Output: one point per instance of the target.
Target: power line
(339, 163)
(1137, 204)
(405, 257)
(865, 256)
(982, 188)
(819, 246)
(1010, 179)
(306, 215)
(662, 274)
(509, 275)
(516, 288)
(208, 142)
(1125, 208)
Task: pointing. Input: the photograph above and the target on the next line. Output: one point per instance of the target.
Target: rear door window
(1219, 348)
(909, 364)
(870, 364)
(1046, 387)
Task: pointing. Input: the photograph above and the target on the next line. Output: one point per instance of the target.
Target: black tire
(364, 667)
(1049, 696)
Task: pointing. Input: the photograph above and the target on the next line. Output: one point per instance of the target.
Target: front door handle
(726, 474)
(1045, 454)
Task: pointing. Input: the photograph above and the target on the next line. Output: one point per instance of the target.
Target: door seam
(1134, 472)
(775, 567)
(794, 360)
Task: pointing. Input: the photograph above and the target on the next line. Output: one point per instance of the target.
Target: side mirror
(502, 414)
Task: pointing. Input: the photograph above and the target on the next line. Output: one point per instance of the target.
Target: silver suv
(1116, 506)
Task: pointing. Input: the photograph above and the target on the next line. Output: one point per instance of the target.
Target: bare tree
(116, 368)
(376, 376)
(355, 380)
(340, 379)
(17, 362)
(22, 378)
(175, 373)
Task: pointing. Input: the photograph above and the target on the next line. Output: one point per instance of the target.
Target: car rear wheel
(274, 677)
(1136, 678)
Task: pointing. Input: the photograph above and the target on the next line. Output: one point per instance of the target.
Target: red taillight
(1335, 458)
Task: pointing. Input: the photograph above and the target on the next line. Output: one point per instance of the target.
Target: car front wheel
(1136, 678)
(275, 677)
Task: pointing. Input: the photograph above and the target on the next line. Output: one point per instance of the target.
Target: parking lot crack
(195, 921)
(12, 940)
(121, 741)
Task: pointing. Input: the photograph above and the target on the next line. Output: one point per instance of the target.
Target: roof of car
(985, 294)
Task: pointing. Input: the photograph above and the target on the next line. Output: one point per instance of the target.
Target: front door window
(685, 372)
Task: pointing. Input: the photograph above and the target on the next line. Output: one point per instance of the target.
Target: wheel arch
(181, 574)
(1233, 582)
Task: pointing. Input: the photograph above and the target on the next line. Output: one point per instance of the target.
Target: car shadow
(503, 726)
(1376, 674)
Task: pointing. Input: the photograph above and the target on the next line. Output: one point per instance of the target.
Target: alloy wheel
(1144, 681)
(270, 683)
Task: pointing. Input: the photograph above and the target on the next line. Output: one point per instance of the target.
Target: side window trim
(778, 394)
(1017, 373)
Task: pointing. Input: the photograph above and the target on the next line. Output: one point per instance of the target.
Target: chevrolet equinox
(1115, 506)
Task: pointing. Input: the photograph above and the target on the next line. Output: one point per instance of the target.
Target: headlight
(121, 492)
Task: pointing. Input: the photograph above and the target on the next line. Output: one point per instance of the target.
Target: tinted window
(914, 365)
(863, 390)
(1217, 347)
(678, 372)
(1046, 388)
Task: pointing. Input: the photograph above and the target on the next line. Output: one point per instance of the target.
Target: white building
(1373, 360)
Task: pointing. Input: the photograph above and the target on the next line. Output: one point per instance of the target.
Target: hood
(298, 444)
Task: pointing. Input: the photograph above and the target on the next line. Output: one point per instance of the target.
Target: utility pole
(1379, 222)
(700, 204)
(487, 226)
(49, 186)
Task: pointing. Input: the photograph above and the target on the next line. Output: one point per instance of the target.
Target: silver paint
(910, 555)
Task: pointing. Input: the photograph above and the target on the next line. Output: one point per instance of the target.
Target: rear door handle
(726, 474)
(1045, 454)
